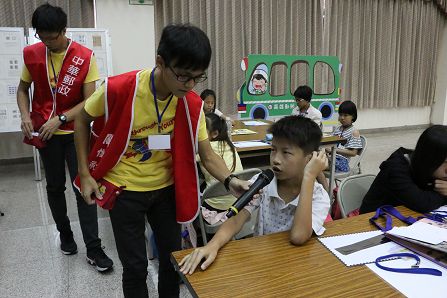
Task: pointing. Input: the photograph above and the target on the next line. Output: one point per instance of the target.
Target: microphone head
(268, 175)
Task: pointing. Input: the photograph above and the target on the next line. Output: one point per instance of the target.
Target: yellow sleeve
(93, 73)
(203, 134)
(94, 105)
(26, 76)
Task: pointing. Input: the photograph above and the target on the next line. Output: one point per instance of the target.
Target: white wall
(131, 28)
(383, 118)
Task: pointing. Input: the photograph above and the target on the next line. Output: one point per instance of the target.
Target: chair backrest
(217, 189)
(352, 190)
(354, 163)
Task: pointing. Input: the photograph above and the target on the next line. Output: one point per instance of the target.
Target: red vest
(74, 70)
(113, 133)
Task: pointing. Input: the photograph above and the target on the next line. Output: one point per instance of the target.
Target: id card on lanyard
(159, 141)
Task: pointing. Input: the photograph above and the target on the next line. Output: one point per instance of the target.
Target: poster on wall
(12, 41)
(97, 40)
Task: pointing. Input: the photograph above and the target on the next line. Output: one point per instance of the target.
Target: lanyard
(159, 116)
(387, 211)
(439, 216)
(414, 269)
(53, 90)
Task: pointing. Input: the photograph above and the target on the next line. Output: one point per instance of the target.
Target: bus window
(324, 78)
(278, 79)
(299, 75)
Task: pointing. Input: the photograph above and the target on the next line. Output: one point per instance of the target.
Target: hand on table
(190, 262)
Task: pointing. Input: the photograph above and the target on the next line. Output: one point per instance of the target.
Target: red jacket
(113, 134)
(75, 67)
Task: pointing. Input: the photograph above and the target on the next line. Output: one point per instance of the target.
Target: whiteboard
(95, 39)
(12, 42)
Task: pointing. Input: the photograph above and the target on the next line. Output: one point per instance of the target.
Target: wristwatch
(227, 181)
(62, 118)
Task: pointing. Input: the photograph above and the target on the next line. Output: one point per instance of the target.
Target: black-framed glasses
(36, 35)
(185, 79)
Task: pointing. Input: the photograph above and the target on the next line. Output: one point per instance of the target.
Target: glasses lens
(183, 79)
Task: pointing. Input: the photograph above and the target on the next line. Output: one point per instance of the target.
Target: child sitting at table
(347, 114)
(222, 145)
(303, 97)
(209, 103)
(416, 179)
(292, 201)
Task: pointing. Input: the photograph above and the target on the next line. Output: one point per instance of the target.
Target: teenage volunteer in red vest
(63, 73)
(154, 126)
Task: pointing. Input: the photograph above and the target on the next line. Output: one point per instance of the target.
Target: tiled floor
(31, 264)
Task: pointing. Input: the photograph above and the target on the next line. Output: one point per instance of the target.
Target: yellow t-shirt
(141, 169)
(58, 58)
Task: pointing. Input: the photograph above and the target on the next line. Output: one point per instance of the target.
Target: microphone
(264, 178)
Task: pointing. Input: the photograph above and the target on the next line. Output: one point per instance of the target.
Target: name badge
(159, 142)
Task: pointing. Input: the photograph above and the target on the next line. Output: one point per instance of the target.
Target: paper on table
(242, 131)
(254, 123)
(245, 144)
(421, 231)
(364, 256)
(442, 208)
(414, 285)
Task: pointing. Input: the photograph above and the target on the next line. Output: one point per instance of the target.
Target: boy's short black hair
(304, 92)
(299, 131)
(348, 107)
(49, 18)
(185, 46)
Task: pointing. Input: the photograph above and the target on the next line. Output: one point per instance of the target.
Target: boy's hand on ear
(316, 164)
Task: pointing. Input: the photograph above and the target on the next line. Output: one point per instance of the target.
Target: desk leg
(331, 174)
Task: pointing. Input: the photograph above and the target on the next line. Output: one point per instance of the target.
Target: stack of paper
(423, 231)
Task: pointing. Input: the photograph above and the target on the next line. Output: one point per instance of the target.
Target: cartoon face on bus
(259, 80)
